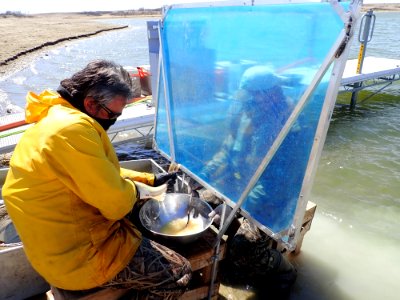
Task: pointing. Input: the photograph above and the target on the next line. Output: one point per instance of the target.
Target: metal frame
(323, 123)
(367, 32)
(341, 44)
(281, 136)
(156, 91)
(162, 72)
(143, 136)
(384, 80)
(237, 3)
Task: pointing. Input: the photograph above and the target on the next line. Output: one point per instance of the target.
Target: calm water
(127, 47)
(352, 250)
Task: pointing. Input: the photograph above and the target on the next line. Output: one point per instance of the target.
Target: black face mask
(77, 102)
(105, 123)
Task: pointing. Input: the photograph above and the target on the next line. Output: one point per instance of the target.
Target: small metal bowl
(156, 216)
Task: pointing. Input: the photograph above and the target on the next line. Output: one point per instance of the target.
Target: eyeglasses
(111, 115)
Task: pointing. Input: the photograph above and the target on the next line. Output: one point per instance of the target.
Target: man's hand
(162, 178)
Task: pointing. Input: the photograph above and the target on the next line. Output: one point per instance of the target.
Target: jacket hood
(37, 106)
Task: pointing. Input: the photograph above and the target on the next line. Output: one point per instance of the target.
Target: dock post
(154, 49)
(367, 31)
(354, 95)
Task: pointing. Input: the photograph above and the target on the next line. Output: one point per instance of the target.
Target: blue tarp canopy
(231, 78)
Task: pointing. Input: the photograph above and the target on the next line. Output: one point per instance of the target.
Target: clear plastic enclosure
(230, 77)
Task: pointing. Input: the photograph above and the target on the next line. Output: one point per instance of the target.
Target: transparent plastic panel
(273, 200)
(234, 76)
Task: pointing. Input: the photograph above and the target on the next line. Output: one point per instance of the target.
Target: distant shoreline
(37, 33)
(41, 32)
(385, 7)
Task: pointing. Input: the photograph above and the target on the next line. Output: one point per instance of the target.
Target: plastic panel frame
(288, 237)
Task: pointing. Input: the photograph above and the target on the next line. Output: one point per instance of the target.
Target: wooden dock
(374, 68)
(376, 72)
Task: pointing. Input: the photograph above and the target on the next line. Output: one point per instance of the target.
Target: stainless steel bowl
(156, 215)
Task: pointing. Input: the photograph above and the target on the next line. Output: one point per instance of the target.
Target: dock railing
(366, 72)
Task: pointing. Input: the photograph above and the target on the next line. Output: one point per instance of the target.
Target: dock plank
(372, 68)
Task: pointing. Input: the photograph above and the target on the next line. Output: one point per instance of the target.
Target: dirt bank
(381, 7)
(23, 38)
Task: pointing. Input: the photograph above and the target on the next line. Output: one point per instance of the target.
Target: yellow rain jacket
(67, 196)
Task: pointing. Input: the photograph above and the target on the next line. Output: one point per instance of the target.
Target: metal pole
(216, 256)
(322, 129)
(367, 31)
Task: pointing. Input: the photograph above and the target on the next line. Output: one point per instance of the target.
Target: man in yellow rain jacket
(69, 198)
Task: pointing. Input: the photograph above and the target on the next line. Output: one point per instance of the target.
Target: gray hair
(101, 79)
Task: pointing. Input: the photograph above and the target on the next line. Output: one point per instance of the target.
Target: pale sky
(40, 6)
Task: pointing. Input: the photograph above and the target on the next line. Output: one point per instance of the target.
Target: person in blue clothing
(259, 111)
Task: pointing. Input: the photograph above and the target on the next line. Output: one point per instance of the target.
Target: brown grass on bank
(27, 34)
